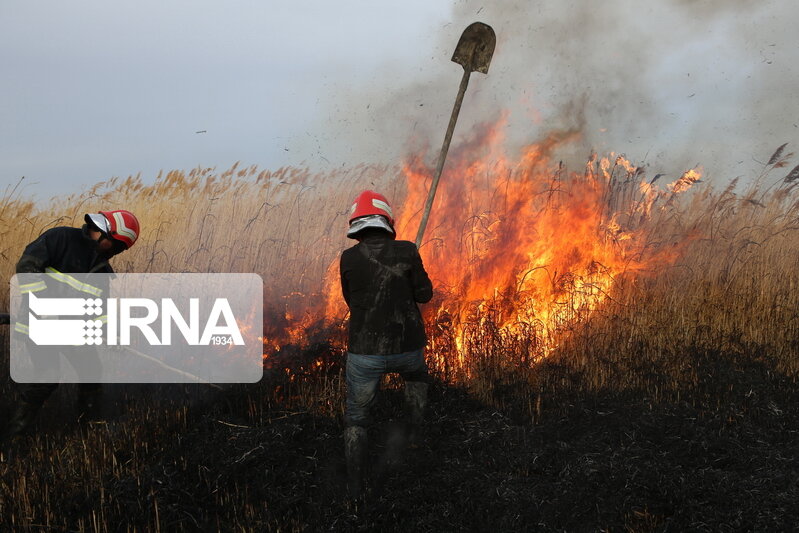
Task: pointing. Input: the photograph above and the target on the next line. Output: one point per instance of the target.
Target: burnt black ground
(615, 461)
(611, 465)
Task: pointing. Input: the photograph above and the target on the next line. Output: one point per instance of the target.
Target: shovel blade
(475, 48)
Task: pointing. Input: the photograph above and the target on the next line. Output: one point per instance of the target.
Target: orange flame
(520, 244)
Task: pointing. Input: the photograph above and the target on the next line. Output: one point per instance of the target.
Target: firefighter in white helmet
(383, 280)
(59, 253)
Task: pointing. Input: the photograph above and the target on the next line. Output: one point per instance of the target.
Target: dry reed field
(611, 352)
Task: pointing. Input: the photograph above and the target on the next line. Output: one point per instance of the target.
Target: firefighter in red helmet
(59, 252)
(383, 280)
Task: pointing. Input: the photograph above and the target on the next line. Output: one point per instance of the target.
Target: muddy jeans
(363, 377)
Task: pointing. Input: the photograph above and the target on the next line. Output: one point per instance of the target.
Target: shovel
(473, 52)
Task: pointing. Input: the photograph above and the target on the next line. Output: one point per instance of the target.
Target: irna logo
(136, 328)
(110, 322)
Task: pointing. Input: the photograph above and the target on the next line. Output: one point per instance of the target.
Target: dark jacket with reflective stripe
(382, 280)
(59, 252)
(64, 249)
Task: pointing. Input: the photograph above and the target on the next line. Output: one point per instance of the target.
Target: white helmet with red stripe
(120, 225)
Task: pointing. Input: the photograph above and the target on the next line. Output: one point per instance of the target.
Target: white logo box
(136, 328)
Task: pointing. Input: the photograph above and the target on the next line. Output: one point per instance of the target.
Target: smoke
(668, 83)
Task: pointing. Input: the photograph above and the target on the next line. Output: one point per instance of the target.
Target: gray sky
(94, 89)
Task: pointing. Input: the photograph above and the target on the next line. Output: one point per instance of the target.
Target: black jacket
(63, 254)
(382, 280)
(64, 249)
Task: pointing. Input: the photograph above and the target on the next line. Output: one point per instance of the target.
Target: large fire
(517, 244)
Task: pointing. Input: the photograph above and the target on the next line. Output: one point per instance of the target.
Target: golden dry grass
(286, 225)
(733, 287)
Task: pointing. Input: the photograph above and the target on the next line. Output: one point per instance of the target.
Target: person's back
(63, 249)
(382, 280)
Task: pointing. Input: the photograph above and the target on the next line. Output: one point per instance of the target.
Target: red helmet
(120, 225)
(371, 203)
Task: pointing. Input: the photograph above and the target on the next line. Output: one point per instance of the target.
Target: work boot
(415, 403)
(20, 421)
(355, 451)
